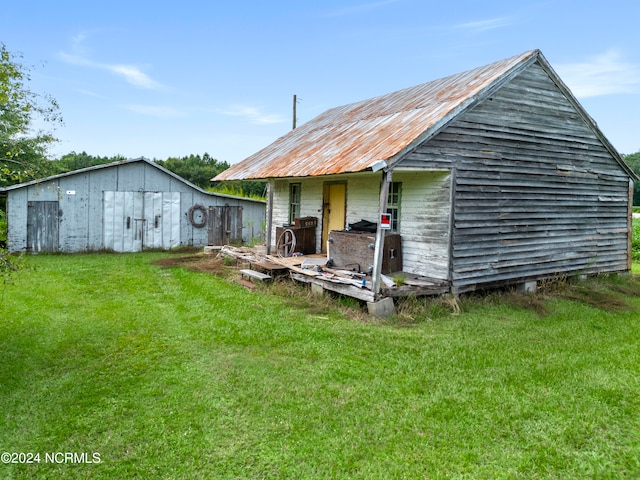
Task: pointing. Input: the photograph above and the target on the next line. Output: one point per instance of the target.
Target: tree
(200, 170)
(23, 152)
(75, 161)
(194, 168)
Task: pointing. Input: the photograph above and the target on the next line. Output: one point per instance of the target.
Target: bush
(3, 229)
(635, 243)
(9, 264)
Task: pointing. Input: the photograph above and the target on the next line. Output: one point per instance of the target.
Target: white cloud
(134, 76)
(484, 25)
(158, 111)
(604, 74)
(253, 114)
(90, 93)
(130, 73)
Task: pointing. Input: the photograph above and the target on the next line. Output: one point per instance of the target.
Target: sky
(166, 79)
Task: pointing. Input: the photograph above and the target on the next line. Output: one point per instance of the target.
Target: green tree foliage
(23, 151)
(633, 161)
(75, 161)
(9, 264)
(196, 169)
(244, 188)
(635, 242)
(199, 170)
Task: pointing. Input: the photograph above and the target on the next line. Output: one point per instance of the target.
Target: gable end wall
(536, 193)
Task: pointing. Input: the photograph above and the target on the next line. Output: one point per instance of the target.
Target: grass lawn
(176, 374)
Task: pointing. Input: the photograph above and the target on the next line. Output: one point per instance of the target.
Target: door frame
(326, 210)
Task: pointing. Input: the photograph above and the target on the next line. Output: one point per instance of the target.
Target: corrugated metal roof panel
(352, 137)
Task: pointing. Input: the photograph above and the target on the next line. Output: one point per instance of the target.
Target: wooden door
(43, 226)
(225, 225)
(334, 209)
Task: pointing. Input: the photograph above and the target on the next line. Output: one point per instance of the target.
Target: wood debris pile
(316, 269)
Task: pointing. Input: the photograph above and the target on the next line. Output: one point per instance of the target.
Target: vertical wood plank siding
(80, 199)
(536, 192)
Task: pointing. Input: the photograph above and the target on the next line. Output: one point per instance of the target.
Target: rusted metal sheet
(353, 137)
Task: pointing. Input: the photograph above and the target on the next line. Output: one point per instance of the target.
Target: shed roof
(356, 137)
(122, 162)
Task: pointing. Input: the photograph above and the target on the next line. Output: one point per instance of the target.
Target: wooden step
(253, 275)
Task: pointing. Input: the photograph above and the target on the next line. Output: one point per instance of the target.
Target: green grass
(174, 374)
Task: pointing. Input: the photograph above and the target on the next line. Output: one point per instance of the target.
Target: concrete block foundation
(382, 308)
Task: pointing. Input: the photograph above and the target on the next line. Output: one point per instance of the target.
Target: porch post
(267, 233)
(380, 233)
(630, 227)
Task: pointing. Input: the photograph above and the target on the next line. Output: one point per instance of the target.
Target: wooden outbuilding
(125, 206)
(490, 177)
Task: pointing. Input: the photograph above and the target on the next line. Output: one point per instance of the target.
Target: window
(393, 204)
(294, 201)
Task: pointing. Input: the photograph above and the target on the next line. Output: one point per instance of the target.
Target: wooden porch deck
(313, 269)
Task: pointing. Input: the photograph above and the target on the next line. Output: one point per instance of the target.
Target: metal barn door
(135, 221)
(225, 225)
(43, 226)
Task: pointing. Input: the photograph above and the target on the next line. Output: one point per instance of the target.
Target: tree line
(24, 151)
(197, 169)
(633, 161)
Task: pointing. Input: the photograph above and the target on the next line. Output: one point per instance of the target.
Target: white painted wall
(424, 212)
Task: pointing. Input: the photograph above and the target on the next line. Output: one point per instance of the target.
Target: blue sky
(160, 79)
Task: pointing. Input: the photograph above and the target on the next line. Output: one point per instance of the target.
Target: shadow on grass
(611, 292)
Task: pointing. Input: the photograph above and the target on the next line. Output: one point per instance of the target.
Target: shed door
(134, 221)
(225, 225)
(43, 226)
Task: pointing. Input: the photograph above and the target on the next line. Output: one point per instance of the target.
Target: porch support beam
(380, 233)
(269, 219)
(630, 227)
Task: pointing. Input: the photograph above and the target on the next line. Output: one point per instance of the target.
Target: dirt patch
(198, 263)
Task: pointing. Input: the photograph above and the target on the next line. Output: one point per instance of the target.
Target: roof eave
(123, 162)
(466, 105)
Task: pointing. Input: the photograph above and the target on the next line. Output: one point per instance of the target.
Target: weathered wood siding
(424, 213)
(80, 199)
(536, 193)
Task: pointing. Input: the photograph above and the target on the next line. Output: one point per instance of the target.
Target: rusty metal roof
(353, 137)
